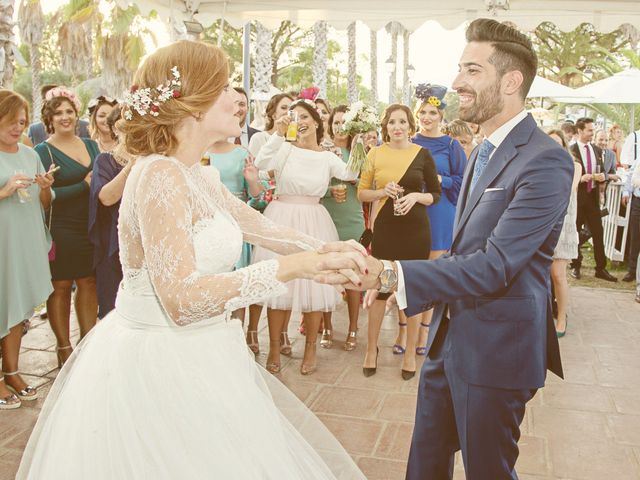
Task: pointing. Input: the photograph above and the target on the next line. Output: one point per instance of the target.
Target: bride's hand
(309, 265)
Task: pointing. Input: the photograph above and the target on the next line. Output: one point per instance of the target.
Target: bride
(164, 387)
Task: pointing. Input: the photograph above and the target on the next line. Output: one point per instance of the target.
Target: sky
(433, 51)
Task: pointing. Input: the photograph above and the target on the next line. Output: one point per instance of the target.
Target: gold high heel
(252, 341)
(26, 394)
(327, 339)
(350, 343)
(273, 367)
(285, 344)
(61, 349)
(308, 369)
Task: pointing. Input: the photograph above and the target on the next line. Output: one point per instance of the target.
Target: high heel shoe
(370, 371)
(407, 374)
(28, 393)
(327, 339)
(10, 402)
(59, 355)
(252, 341)
(560, 334)
(285, 344)
(350, 343)
(422, 351)
(308, 369)
(397, 348)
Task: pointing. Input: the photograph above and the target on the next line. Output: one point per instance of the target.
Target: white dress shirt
(630, 151)
(496, 138)
(583, 156)
(244, 137)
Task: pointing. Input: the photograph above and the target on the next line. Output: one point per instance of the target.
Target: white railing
(615, 225)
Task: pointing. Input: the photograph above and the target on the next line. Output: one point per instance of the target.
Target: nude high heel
(62, 349)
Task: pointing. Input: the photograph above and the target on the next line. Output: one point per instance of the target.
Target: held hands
(335, 263)
(406, 203)
(281, 125)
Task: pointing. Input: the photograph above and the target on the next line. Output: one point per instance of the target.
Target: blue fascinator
(432, 94)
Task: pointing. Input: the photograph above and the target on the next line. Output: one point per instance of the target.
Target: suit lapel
(500, 159)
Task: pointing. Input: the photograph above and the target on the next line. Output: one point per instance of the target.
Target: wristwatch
(388, 277)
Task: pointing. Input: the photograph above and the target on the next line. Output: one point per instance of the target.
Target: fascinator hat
(432, 94)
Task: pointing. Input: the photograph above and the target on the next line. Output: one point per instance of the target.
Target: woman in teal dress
(346, 212)
(69, 214)
(25, 279)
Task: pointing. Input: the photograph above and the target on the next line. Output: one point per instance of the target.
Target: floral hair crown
(148, 100)
(432, 94)
(63, 92)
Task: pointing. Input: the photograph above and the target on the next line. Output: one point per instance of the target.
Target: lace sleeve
(165, 209)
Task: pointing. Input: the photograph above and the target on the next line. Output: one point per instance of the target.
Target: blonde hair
(386, 116)
(204, 73)
(424, 104)
(457, 128)
(11, 103)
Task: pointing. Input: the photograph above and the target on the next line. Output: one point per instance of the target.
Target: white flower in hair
(147, 101)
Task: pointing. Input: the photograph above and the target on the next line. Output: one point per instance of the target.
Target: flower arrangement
(358, 119)
(147, 100)
(63, 92)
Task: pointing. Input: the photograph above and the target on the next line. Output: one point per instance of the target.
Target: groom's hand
(332, 265)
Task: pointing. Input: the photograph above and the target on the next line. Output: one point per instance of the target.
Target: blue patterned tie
(482, 159)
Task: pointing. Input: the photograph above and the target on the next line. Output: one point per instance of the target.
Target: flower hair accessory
(148, 100)
(310, 93)
(63, 92)
(432, 94)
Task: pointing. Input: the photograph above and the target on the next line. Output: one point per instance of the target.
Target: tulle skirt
(143, 399)
(306, 215)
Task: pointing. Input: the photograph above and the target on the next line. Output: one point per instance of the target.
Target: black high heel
(408, 374)
(369, 371)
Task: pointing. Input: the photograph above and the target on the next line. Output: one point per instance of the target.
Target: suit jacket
(584, 197)
(251, 131)
(495, 281)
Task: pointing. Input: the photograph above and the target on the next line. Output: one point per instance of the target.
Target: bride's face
(220, 120)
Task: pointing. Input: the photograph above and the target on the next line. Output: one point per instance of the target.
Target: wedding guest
(570, 131)
(110, 173)
(99, 110)
(69, 217)
(277, 107)
(302, 171)
(400, 170)
(567, 246)
(346, 212)
(608, 157)
(478, 136)
(370, 140)
(614, 141)
(247, 132)
(37, 132)
(25, 189)
(460, 130)
(324, 110)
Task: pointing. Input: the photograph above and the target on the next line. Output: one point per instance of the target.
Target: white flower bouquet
(358, 119)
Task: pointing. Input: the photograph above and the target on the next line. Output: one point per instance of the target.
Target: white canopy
(605, 15)
(543, 87)
(623, 87)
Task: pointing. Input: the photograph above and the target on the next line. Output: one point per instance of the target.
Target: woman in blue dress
(450, 164)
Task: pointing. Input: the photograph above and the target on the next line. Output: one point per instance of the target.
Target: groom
(492, 337)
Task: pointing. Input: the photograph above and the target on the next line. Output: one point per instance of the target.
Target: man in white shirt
(630, 149)
(243, 108)
(492, 337)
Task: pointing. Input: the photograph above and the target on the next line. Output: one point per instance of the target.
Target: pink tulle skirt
(306, 215)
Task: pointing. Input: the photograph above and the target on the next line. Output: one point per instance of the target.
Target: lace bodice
(181, 233)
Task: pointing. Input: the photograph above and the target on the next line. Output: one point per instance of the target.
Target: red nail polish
(366, 271)
(359, 284)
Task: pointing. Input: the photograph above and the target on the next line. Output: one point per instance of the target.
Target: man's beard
(487, 104)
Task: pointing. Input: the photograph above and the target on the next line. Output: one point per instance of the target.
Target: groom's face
(478, 84)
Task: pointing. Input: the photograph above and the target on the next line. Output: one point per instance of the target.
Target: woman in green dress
(346, 212)
(69, 218)
(25, 280)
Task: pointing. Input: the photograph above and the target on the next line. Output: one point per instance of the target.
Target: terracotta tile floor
(586, 427)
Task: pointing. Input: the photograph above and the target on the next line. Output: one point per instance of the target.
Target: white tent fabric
(623, 87)
(605, 15)
(543, 87)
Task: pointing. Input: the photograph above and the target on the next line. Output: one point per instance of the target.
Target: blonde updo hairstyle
(204, 73)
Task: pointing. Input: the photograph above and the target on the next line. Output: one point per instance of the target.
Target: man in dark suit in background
(243, 108)
(590, 158)
(492, 337)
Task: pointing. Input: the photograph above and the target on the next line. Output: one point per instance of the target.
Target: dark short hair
(568, 128)
(270, 111)
(45, 88)
(581, 123)
(386, 116)
(512, 49)
(314, 114)
(242, 91)
(49, 109)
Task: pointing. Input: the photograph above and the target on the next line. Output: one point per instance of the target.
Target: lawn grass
(588, 270)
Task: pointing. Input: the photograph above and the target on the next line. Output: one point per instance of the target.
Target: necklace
(108, 147)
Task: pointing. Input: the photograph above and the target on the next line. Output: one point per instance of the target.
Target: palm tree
(32, 24)
(6, 43)
(75, 37)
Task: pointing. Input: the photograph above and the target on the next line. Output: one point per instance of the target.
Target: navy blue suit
(492, 337)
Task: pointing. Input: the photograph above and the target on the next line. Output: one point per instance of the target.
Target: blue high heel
(566, 325)
(397, 348)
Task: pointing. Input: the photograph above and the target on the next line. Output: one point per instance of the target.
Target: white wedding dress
(164, 387)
